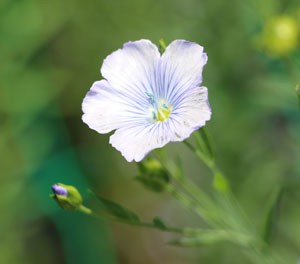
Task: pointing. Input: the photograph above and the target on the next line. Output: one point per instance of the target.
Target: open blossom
(149, 99)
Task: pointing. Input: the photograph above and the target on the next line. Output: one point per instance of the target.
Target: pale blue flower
(147, 98)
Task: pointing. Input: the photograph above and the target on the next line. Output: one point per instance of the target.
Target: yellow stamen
(163, 114)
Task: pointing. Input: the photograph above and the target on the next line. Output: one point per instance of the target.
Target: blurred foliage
(51, 52)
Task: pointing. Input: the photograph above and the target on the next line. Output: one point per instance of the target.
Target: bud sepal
(67, 196)
(153, 175)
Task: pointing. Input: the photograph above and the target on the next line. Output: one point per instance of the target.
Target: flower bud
(280, 35)
(59, 190)
(153, 175)
(66, 196)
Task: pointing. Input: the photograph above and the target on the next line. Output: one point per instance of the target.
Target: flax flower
(149, 99)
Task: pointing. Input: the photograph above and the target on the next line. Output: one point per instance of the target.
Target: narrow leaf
(178, 169)
(118, 210)
(162, 45)
(206, 141)
(158, 223)
(271, 215)
(212, 237)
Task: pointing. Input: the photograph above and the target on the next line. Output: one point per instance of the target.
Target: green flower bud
(67, 196)
(280, 35)
(153, 175)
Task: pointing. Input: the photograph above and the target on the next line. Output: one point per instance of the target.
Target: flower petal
(137, 141)
(132, 69)
(136, 77)
(105, 109)
(191, 113)
(181, 68)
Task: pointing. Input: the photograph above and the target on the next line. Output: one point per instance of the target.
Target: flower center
(159, 110)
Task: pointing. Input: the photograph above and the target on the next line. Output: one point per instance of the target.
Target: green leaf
(271, 215)
(118, 211)
(203, 143)
(158, 223)
(206, 141)
(178, 169)
(162, 45)
(190, 242)
(210, 237)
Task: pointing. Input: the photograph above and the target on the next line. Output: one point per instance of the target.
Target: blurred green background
(51, 53)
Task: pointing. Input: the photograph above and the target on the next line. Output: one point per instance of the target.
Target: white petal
(121, 102)
(137, 141)
(190, 113)
(181, 68)
(105, 109)
(132, 69)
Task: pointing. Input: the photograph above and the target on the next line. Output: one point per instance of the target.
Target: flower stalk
(234, 218)
(152, 95)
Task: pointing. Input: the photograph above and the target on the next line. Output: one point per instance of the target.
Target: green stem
(165, 228)
(192, 197)
(85, 210)
(202, 139)
(200, 155)
(233, 215)
(152, 226)
(231, 210)
(200, 196)
(210, 216)
(210, 163)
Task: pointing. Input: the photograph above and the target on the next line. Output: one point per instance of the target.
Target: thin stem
(152, 226)
(85, 210)
(233, 215)
(210, 217)
(202, 140)
(227, 200)
(165, 228)
(199, 154)
(195, 199)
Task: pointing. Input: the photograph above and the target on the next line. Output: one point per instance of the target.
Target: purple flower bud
(59, 190)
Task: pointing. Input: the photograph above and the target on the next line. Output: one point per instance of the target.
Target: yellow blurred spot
(280, 35)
